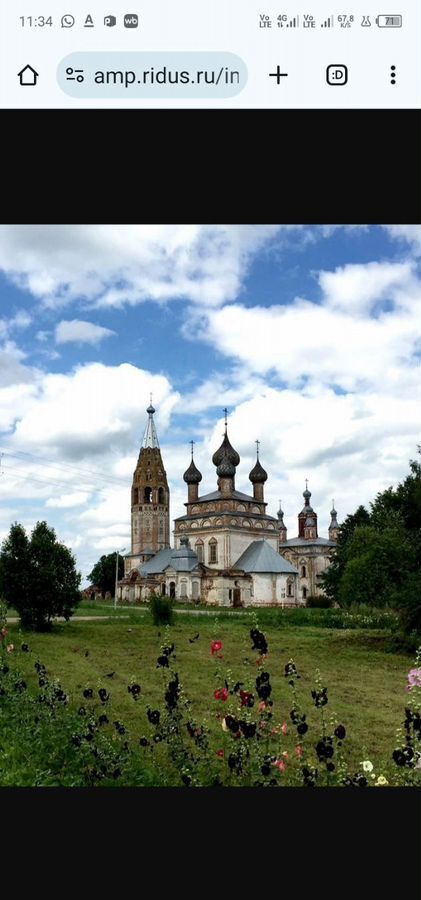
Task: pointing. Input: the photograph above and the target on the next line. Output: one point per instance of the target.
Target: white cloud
(78, 331)
(67, 501)
(109, 265)
(360, 288)
(329, 342)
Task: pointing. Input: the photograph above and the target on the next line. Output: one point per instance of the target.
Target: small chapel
(228, 551)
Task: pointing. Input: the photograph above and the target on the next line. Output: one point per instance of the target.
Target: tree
(103, 573)
(38, 576)
(331, 579)
(376, 564)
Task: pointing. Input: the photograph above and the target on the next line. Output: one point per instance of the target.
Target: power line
(91, 489)
(64, 466)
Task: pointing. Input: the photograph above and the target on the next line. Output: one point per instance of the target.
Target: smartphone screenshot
(194, 54)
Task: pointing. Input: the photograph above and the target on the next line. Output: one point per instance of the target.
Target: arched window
(303, 571)
(148, 495)
(183, 587)
(199, 550)
(304, 593)
(213, 551)
(172, 589)
(161, 495)
(290, 590)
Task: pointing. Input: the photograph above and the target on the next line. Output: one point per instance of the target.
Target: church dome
(306, 494)
(226, 451)
(192, 474)
(258, 474)
(226, 468)
(185, 551)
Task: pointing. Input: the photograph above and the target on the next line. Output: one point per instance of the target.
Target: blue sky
(311, 335)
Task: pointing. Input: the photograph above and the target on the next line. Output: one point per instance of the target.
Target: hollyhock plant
(414, 679)
(216, 646)
(221, 694)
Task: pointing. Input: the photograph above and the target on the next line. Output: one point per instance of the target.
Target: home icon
(28, 76)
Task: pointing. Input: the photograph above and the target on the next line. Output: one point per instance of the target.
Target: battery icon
(389, 21)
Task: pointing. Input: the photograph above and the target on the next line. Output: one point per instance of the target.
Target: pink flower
(279, 763)
(215, 646)
(275, 731)
(262, 706)
(220, 753)
(284, 728)
(299, 751)
(414, 679)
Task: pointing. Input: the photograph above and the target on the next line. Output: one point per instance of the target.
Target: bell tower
(150, 496)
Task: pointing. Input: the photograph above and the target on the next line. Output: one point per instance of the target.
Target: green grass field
(366, 685)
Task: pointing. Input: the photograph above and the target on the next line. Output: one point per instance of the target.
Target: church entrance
(172, 590)
(237, 597)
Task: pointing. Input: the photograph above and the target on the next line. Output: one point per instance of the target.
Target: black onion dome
(226, 468)
(258, 474)
(150, 410)
(192, 474)
(306, 493)
(226, 450)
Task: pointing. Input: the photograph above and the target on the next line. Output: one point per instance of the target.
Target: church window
(199, 550)
(304, 593)
(148, 495)
(290, 589)
(163, 588)
(161, 495)
(213, 551)
(183, 587)
(136, 496)
(303, 571)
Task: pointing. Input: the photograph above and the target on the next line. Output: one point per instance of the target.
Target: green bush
(161, 609)
(319, 602)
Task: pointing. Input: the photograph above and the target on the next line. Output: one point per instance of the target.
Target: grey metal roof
(300, 542)
(150, 437)
(183, 563)
(261, 557)
(182, 560)
(157, 563)
(217, 495)
(226, 512)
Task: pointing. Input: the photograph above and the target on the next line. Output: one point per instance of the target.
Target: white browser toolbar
(365, 54)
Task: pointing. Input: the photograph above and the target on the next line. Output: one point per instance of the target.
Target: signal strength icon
(293, 23)
(328, 23)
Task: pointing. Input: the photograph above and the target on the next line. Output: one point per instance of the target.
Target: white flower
(381, 781)
(367, 765)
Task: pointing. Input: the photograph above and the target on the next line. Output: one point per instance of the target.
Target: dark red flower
(221, 694)
(247, 698)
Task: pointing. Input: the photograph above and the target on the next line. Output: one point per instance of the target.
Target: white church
(228, 551)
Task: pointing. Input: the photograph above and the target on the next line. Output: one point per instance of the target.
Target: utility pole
(116, 575)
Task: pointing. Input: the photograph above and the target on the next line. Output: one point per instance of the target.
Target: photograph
(210, 518)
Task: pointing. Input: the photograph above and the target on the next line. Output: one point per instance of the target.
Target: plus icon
(278, 74)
